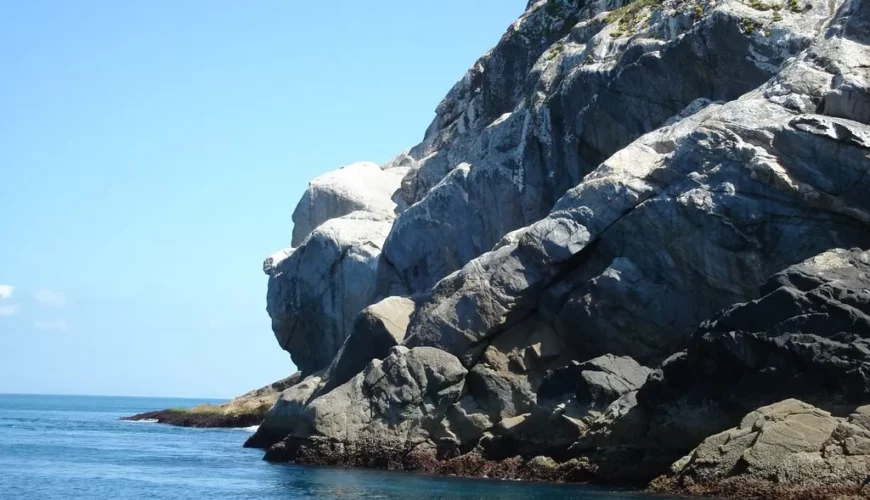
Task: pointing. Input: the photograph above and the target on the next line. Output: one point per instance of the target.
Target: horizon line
(109, 396)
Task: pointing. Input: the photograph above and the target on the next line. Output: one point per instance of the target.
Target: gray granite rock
(607, 178)
(317, 289)
(601, 381)
(789, 449)
(602, 85)
(357, 187)
(377, 329)
(684, 221)
(391, 404)
(807, 337)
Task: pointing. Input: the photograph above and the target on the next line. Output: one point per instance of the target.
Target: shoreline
(472, 465)
(247, 410)
(537, 470)
(199, 419)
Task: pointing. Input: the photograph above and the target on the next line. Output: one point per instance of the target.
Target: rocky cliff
(616, 239)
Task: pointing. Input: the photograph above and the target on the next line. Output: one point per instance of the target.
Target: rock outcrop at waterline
(247, 410)
(526, 299)
(786, 450)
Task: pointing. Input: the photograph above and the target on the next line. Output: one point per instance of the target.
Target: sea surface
(74, 447)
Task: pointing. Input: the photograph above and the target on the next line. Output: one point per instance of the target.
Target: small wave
(145, 421)
(252, 428)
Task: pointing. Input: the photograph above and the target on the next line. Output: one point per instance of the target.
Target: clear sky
(151, 154)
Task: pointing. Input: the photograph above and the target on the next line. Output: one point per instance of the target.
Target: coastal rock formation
(317, 289)
(247, 410)
(383, 413)
(606, 179)
(806, 337)
(804, 451)
(378, 328)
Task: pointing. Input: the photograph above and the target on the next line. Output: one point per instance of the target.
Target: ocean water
(74, 447)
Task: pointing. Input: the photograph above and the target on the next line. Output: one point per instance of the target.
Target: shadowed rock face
(606, 179)
(806, 337)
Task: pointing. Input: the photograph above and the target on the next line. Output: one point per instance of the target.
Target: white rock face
(319, 284)
(357, 187)
(317, 289)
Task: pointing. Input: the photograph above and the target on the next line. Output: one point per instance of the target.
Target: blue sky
(151, 154)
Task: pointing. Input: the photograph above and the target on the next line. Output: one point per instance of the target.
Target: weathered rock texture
(806, 337)
(806, 452)
(608, 177)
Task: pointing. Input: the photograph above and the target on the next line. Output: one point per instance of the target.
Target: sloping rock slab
(786, 450)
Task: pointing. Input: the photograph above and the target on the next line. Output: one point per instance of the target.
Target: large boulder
(505, 377)
(602, 380)
(319, 284)
(378, 328)
(317, 289)
(382, 414)
(570, 401)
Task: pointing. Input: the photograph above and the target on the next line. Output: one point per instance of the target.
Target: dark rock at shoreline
(474, 465)
(203, 418)
(246, 410)
(595, 404)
